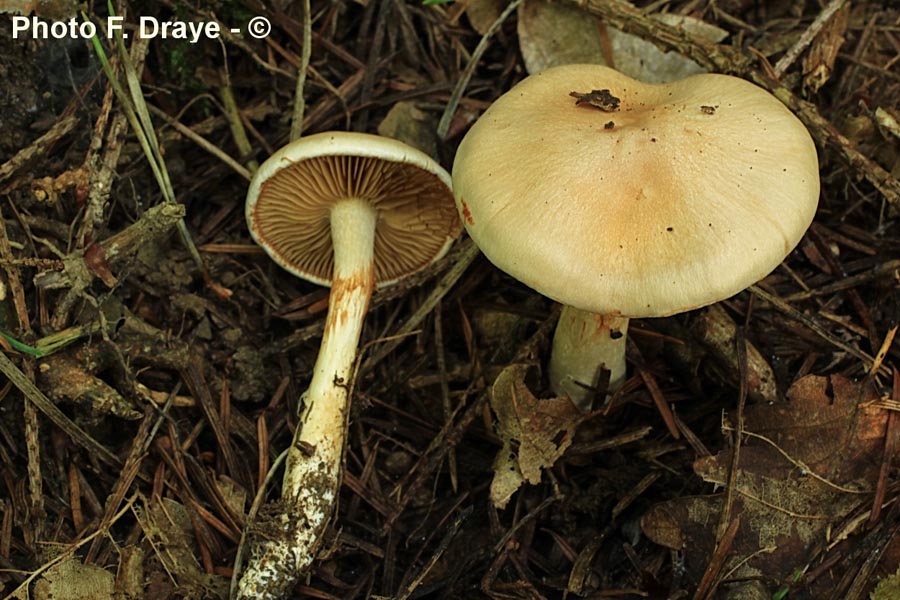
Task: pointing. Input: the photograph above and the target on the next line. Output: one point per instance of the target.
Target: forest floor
(153, 356)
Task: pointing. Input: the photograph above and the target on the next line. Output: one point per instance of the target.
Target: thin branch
(806, 39)
(306, 52)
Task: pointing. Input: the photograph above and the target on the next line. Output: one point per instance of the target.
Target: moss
(888, 588)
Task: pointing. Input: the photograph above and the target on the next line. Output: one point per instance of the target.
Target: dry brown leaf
(718, 332)
(645, 62)
(72, 580)
(234, 494)
(483, 13)
(167, 525)
(818, 63)
(803, 466)
(406, 122)
(554, 33)
(534, 432)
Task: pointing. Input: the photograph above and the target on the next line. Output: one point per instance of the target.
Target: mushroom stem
(289, 540)
(584, 343)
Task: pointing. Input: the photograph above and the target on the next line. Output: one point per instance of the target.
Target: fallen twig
(807, 37)
(450, 110)
(52, 412)
(37, 148)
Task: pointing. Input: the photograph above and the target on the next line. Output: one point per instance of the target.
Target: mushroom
(632, 200)
(353, 211)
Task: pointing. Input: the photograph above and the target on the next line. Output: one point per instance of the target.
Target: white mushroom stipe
(313, 463)
(584, 344)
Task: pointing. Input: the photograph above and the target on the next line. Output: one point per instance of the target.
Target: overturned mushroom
(352, 211)
(636, 200)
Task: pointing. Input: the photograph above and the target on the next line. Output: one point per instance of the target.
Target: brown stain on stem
(341, 288)
(607, 325)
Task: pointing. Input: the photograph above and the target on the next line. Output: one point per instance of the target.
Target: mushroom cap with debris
(641, 200)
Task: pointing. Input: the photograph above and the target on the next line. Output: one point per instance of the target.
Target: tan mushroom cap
(291, 195)
(685, 195)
